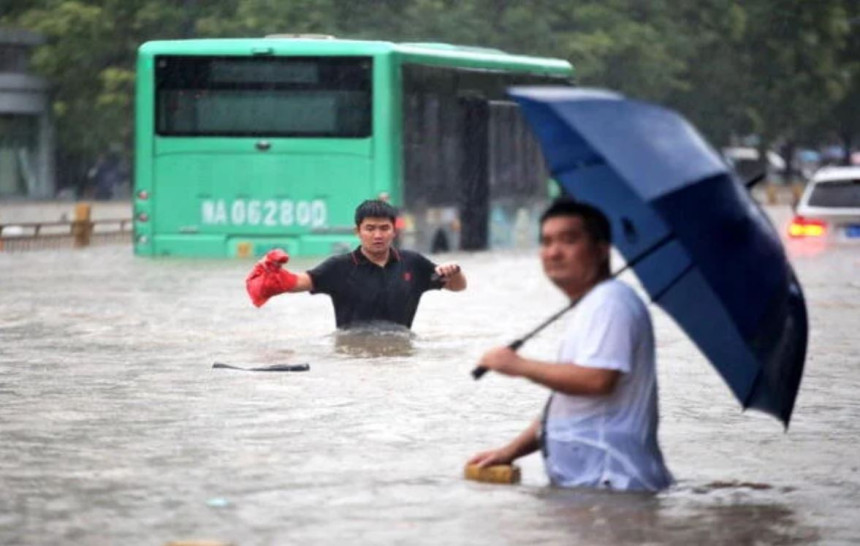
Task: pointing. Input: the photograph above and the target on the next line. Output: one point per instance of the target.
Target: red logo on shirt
(407, 276)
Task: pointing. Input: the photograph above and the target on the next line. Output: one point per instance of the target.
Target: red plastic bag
(268, 278)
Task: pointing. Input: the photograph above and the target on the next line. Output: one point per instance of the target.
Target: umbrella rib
(653, 248)
(578, 164)
(673, 283)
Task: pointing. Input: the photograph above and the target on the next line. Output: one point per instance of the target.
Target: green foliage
(792, 55)
(839, 121)
(89, 59)
(787, 71)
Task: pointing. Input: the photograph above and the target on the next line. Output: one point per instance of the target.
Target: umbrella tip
(752, 182)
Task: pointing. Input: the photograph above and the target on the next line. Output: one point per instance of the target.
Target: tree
(89, 60)
(734, 67)
(792, 57)
(714, 78)
(842, 118)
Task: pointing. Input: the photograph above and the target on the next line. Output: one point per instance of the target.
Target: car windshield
(845, 193)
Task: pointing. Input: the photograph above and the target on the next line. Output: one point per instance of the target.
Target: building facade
(26, 130)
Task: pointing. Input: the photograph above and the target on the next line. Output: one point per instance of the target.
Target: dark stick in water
(272, 368)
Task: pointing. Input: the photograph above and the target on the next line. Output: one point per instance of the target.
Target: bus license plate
(852, 232)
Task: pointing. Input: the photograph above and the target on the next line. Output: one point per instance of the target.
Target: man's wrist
(526, 368)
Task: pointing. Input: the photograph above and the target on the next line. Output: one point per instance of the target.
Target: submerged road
(115, 428)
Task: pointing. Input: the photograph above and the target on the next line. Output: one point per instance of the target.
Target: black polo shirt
(362, 291)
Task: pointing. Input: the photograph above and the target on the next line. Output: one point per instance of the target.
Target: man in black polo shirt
(374, 282)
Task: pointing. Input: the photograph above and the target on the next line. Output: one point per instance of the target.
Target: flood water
(115, 428)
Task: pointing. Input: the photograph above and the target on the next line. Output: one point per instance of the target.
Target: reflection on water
(735, 484)
(374, 340)
(592, 518)
(115, 429)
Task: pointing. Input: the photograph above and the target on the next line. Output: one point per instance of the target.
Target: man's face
(376, 234)
(571, 260)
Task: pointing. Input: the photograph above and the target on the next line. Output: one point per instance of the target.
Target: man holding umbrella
(599, 427)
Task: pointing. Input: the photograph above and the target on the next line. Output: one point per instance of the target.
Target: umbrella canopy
(701, 246)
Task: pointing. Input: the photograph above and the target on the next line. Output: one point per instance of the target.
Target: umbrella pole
(479, 371)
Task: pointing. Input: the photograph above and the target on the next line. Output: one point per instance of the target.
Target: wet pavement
(116, 429)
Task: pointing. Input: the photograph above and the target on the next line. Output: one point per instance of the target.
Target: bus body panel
(290, 195)
(144, 116)
(214, 186)
(281, 192)
(240, 195)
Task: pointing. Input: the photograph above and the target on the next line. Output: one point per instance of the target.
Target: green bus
(243, 145)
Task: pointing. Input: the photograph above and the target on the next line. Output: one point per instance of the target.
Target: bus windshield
(263, 96)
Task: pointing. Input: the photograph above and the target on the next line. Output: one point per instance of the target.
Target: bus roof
(422, 53)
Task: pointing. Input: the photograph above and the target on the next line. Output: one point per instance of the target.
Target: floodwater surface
(115, 428)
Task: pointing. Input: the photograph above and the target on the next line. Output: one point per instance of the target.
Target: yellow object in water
(500, 473)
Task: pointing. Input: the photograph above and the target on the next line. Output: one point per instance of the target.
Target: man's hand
(493, 456)
(268, 277)
(526, 442)
(503, 360)
(447, 270)
(275, 259)
(452, 276)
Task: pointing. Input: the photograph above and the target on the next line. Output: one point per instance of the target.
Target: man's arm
(525, 443)
(304, 283)
(568, 378)
(453, 277)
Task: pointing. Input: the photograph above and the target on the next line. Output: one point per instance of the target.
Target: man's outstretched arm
(304, 283)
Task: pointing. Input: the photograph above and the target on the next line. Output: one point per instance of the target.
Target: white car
(829, 208)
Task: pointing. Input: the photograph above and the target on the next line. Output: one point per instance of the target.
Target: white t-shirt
(608, 441)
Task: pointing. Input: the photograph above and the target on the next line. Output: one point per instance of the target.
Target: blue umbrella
(699, 244)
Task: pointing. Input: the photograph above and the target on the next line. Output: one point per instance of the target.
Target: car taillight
(802, 227)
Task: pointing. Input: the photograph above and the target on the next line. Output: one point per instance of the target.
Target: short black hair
(593, 219)
(375, 208)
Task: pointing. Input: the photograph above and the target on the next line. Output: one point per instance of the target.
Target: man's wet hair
(595, 222)
(374, 208)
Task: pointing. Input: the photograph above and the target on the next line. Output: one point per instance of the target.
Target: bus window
(271, 96)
